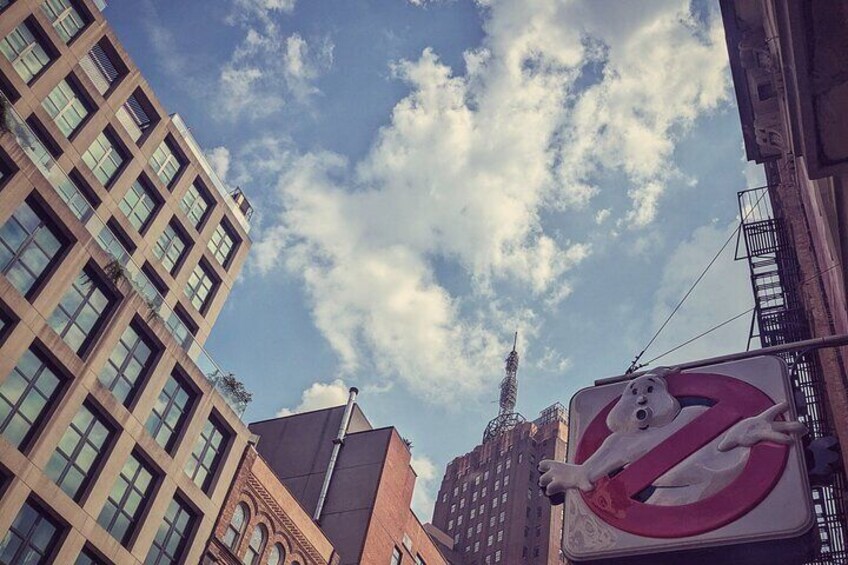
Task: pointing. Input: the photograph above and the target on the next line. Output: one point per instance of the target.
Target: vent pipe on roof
(337, 446)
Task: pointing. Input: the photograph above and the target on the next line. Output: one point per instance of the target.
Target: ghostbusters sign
(671, 461)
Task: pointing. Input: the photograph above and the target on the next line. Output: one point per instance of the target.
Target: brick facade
(271, 504)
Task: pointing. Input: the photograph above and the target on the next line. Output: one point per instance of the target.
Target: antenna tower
(507, 417)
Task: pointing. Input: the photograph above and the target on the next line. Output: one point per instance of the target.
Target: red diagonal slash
(734, 400)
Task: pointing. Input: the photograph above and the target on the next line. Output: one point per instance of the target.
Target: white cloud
(318, 396)
(219, 159)
(268, 67)
(463, 171)
(423, 497)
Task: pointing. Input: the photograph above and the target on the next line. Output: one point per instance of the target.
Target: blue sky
(431, 175)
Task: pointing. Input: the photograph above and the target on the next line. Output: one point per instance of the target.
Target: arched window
(257, 545)
(236, 527)
(277, 555)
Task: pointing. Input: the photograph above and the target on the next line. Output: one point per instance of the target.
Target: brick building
(489, 505)
(261, 522)
(789, 61)
(366, 512)
(118, 247)
(489, 502)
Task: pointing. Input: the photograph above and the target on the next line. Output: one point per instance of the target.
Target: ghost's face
(645, 403)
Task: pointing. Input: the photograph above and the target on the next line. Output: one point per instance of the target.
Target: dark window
(221, 244)
(139, 204)
(235, 529)
(277, 555)
(172, 537)
(66, 107)
(81, 312)
(23, 49)
(396, 556)
(166, 162)
(170, 248)
(88, 557)
(195, 203)
(66, 20)
(79, 452)
(28, 245)
(24, 397)
(207, 454)
(200, 286)
(125, 504)
(77, 195)
(169, 413)
(128, 365)
(32, 537)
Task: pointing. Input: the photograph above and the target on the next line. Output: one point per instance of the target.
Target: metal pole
(815, 343)
(337, 445)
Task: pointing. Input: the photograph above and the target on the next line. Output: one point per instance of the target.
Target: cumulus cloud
(319, 395)
(557, 93)
(423, 497)
(268, 66)
(219, 159)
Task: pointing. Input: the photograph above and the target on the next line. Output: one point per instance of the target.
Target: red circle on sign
(611, 499)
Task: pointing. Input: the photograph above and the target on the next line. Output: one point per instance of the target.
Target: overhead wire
(634, 365)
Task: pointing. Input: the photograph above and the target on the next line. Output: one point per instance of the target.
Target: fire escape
(779, 318)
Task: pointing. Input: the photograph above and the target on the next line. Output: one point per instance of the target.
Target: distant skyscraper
(489, 502)
(118, 248)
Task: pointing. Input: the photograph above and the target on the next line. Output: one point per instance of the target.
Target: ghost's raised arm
(558, 477)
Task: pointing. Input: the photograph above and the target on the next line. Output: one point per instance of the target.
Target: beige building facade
(119, 435)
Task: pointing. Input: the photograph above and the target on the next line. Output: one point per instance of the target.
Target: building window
(490, 540)
(81, 312)
(396, 556)
(25, 52)
(450, 524)
(503, 498)
(479, 527)
(65, 107)
(459, 520)
(208, 452)
(28, 246)
(170, 248)
(257, 545)
(235, 529)
(199, 287)
(195, 204)
(88, 557)
(103, 158)
(178, 325)
(169, 413)
(172, 537)
(277, 555)
(165, 163)
(500, 535)
(221, 244)
(501, 517)
(125, 504)
(138, 205)
(32, 537)
(79, 452)
(134, 115)
(65, 19)
(498, 556)
(24, 397)
(102, 68)
(127, 366)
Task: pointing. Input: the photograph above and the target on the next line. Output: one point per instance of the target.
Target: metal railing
(111, 244)
(781, 319)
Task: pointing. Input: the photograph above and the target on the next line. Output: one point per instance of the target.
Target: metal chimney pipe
(337, 445)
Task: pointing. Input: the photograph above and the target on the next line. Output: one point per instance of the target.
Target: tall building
(789, 61)
(261, 522)
(355, 480)
(119, 435)
(489, 503)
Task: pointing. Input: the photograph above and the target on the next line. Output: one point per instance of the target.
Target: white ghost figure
(647, 414)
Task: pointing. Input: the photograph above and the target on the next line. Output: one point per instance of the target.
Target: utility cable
(634, 365)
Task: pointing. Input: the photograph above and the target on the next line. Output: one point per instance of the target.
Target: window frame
(50, 546)
(188, 209)
(150, 193)
(237, 533)
(201, 448)
(204, 287)
(171, 155)
(111, 297)
(185, 411)
(168, 524)
(39, 46)
(215, 247)
(142, 337)
(77, 96)
(96, 164)
(61, 17)
(161, 251)
(144, 498)
(252, 554)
